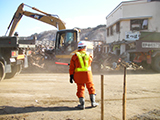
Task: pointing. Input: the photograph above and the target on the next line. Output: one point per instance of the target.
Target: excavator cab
(66, 43)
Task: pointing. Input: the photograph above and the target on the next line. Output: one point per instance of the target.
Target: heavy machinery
(65, 45)
(14, 54)
(44, 17)
(14, 50)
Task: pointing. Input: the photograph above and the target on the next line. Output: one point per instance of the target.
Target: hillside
(96, 33)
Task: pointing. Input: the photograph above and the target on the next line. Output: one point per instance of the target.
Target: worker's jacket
(80, 75)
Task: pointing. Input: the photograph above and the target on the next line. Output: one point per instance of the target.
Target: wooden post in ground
(102, 97)
(124, 95)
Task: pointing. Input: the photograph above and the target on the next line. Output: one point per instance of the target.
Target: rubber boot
(93, 102)
(82, 101)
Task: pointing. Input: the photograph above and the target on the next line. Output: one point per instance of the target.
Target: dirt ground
(50, 96)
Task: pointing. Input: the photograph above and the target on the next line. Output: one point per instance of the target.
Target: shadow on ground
(17, 110)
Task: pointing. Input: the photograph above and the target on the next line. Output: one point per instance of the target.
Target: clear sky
(75, 13)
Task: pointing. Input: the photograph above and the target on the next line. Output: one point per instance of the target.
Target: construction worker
(80, 72)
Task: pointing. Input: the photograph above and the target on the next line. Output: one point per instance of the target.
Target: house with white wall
(128, 19)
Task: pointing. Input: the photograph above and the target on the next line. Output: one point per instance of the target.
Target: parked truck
(14, 52)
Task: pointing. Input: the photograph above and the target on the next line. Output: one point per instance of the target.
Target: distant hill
(96, 33)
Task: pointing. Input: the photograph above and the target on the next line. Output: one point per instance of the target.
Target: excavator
(44, 17)
(66, 39)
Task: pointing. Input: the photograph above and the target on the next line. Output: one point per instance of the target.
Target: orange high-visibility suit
(81, 78)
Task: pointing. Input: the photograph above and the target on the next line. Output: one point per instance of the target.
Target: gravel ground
(50, 96)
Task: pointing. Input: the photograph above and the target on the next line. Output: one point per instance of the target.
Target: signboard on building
(132, 36)
(150, 45)
(145, 46)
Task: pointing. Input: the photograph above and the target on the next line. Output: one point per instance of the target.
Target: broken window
(107, 31)
(111, 30)
(118, 27)
(139, 24)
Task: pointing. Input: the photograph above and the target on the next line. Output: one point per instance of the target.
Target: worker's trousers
(81, 89)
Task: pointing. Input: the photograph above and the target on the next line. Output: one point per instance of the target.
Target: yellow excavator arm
(44, 17)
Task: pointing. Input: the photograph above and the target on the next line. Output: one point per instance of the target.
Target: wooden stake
(102, 97)
(124, 95)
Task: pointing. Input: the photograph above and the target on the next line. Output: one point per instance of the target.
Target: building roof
(123, 2)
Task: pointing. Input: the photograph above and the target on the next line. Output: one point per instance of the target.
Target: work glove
(71, 79)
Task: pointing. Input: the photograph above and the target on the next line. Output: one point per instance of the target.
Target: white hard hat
(82, 44)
